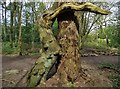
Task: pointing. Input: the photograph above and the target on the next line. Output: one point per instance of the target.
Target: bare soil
(15, 69)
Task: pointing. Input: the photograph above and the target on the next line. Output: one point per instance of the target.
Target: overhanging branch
(76, 7)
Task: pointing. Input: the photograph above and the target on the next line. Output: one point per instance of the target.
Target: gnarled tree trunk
(66, 46)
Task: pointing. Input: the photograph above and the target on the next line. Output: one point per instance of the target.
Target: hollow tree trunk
(68, 39)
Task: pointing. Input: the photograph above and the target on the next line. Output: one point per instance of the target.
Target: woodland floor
(15, 69)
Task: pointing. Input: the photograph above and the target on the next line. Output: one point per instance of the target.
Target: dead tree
(64, 48)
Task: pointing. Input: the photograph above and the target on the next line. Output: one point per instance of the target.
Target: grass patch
(6, 49)
(109, 66)
(114, 77)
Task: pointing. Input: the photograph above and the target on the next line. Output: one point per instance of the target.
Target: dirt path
(96, 60)
(15, 67)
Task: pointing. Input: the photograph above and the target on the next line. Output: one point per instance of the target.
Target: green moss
(70, 84)
(34, 80)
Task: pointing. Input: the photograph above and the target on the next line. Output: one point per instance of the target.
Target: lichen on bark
(50, 49)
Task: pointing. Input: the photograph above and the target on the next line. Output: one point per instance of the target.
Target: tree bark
(15, 23)
(3, 27)
(66, 46)
(11, 25)
(49, 55)
(68, 38)
(20, 30)
(33, 21)
(5, 23)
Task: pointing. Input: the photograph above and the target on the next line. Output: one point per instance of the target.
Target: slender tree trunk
(16, 24)
(107, 40)
(69, 68)
(15, 30)
(2, 26)
(4, 19)
(118, 22)
(20, 30)
(33, 20)
(80, 16)
(26, 16)
(5, 31)
(11, 26)
(106, 36)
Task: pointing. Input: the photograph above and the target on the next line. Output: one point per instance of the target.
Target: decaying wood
(69, 68)
(66, 45)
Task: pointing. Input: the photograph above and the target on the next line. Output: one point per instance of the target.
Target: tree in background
(15, 23)
(90, 21)
(4, 19)
(118, 22)
(20, 29)
(12, 35)
(11, 24)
